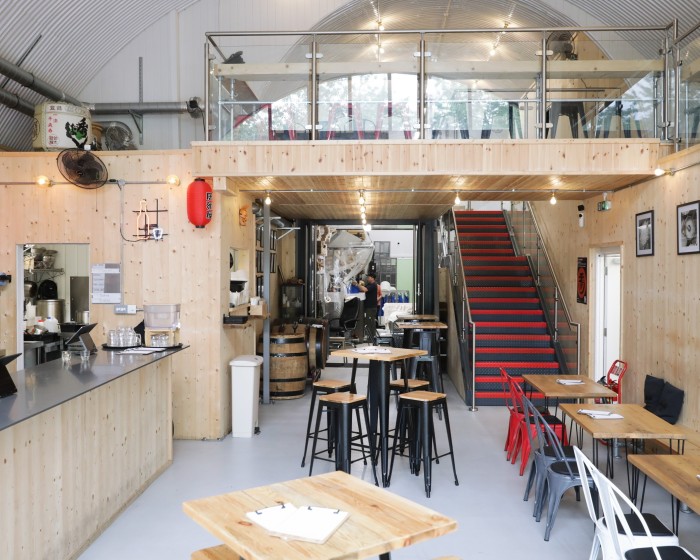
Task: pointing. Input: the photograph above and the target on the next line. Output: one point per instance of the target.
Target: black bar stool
(340, 407)
(319, 388)
(416, 410)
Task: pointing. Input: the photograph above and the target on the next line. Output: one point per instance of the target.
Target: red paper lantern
(200, 202)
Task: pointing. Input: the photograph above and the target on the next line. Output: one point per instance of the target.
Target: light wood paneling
(189, 266)
(660, 302)
(66, 473)
(418, 180)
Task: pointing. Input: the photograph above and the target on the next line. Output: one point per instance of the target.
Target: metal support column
(266, 296)
(543, 89)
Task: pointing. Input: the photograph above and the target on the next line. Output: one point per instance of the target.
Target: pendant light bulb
(364, 221)
(553, 200)
(457, 199)
(268, 200)
(362, 197)
(363, 209)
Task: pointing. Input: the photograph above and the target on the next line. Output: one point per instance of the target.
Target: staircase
(511, 330)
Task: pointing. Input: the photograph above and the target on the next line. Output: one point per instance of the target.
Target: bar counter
(77, 444)
(44, 386)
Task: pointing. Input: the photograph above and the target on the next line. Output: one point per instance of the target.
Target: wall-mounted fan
(117, 136)
(83, 169)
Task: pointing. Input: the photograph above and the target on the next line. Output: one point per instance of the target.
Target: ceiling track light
(268, 200)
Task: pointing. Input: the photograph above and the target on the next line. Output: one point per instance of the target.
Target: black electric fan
(82, 168)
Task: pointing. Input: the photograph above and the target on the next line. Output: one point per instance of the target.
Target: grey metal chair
(561, 474)
(541, 460)
(603, 541)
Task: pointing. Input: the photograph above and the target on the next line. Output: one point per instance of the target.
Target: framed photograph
(645, 233)
(688, 228)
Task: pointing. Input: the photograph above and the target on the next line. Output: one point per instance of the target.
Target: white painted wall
(173, 60)
(401, 241)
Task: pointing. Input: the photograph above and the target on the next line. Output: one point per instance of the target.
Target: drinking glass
(84, 355)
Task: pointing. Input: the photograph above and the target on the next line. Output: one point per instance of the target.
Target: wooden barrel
(289, 365)
(318, 344)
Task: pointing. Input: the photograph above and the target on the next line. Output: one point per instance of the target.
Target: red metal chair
(614, 378)
(515, 417)
(522, 441)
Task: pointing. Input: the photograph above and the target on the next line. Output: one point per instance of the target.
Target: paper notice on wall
(106, 283)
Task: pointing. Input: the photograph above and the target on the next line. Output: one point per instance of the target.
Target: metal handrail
(458, 281)
(670, 56)
(558, 300)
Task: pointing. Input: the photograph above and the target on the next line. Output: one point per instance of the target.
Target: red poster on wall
(582, 280)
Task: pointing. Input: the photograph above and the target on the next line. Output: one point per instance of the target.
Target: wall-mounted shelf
(40, 274)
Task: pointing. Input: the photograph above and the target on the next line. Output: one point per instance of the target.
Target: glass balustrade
(457, 85)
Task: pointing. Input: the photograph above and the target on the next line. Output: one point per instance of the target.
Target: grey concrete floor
(494, 521)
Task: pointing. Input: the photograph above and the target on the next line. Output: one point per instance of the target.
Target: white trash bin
(245, 394)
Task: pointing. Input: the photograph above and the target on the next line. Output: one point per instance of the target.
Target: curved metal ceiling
(74, 40)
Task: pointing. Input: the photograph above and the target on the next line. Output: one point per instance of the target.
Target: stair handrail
(551, 314)
(460, 294)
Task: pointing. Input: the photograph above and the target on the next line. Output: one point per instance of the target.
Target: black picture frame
(687, 228)
(644, 233)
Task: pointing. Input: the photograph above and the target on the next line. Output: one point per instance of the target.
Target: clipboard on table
(307, 523)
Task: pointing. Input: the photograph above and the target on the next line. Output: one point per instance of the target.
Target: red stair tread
(508, 311)
(524, 324)
(502, 349)
(496, 267)
(503, 300)
(529, 365)
(506, 337)
(500, 259)
(529, 289)
(499, 278)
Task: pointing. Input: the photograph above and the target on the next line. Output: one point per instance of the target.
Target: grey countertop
(47, 385)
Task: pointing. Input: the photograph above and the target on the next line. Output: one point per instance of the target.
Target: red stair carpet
(511, 331)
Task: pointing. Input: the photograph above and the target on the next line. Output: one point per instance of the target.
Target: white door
(608, 324)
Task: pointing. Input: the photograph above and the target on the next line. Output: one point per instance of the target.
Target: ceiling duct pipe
(192, 106)
(27, 79)
(17, 103)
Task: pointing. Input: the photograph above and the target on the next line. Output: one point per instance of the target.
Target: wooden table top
(409, 317)
(548, 386)
(424, 325)
(677, 474)
(379, 521)
(392, 356)
(637, 422)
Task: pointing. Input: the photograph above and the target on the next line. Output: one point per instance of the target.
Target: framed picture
(645, 233)
(688, 228)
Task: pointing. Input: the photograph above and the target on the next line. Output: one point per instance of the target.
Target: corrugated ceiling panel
(79, 38)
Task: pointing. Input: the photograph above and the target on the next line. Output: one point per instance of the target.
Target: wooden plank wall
(189, 266)
(660, 293)
(67, 473)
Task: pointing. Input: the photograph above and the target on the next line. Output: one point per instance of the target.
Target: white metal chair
(661, 535)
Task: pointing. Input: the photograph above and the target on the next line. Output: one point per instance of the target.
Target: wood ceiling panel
(419, 180)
